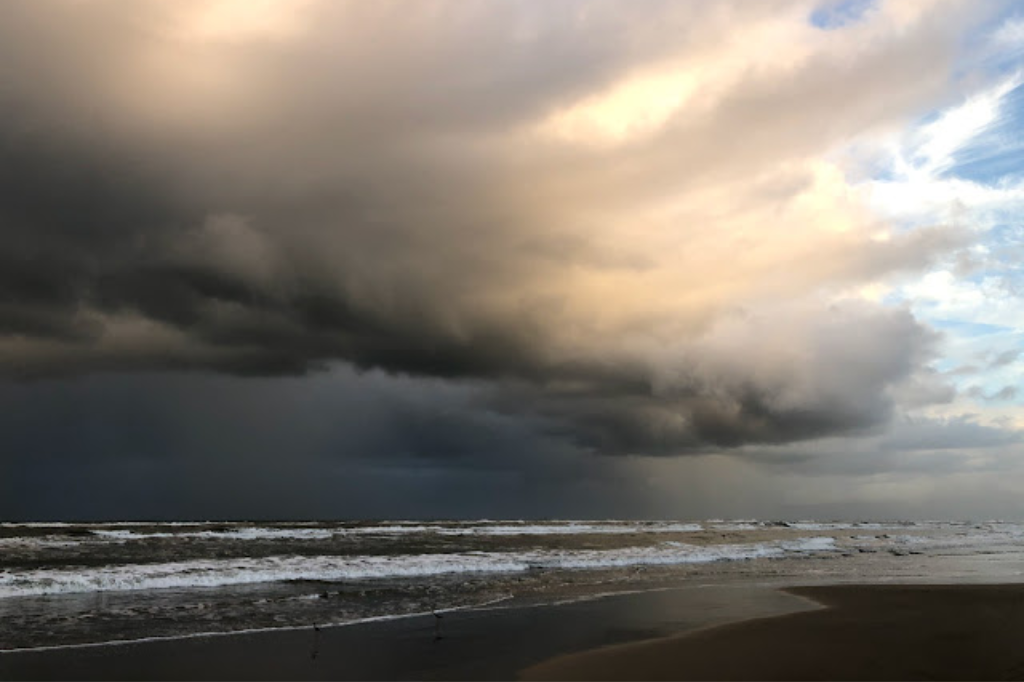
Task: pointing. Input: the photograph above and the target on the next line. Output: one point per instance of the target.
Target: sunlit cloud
(682, 230)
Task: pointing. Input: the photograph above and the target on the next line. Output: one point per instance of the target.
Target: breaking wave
(225, 572)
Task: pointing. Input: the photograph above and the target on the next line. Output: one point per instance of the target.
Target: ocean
(77, 584)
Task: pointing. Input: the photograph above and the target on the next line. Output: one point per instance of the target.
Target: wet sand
(876, 632)
(486, 644)
(709, 632)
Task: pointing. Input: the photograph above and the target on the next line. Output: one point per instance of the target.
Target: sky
(286, 259)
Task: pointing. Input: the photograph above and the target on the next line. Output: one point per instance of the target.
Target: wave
(131, 531)
(569, 528)
(226, 572)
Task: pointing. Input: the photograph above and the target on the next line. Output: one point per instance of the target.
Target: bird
(437, 625)
(316, 642)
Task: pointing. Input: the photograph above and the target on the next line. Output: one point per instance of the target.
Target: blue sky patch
(969, 329)
(833, 15)
(998, 152)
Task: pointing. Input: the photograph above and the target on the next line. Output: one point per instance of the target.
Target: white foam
(225, 572)
(126, 533)
(815, 544)
(244, 533)
(123, 535)
(973, 533)
(96, 524)
(837, 525)
(36, 524)
(524, 528)
(38, 542)
(570, 529)
(726, 525)
(944, 535)
(239, 533)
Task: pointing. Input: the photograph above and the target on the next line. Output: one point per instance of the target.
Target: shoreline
(494, 642)
(733, 630)
(252, 631)
(863, 632)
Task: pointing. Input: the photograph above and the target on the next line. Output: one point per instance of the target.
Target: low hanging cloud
(621, 220)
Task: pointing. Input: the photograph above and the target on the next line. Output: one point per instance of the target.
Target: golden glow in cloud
(555, 193)
(243, 20)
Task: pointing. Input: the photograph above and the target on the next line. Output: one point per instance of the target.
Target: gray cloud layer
(371, 188)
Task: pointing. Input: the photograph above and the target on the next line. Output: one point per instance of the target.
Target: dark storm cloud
(69, 218)
(380, 189)
(749, 380)
(337, 444)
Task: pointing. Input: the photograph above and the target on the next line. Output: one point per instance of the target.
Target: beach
(487, 643)
(490, 643)
(863, 632)
(510, 600)
(847, 632)
(511, 339)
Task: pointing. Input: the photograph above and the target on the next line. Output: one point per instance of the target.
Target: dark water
(68, 584)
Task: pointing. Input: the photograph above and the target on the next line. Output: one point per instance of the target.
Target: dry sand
(876, 632)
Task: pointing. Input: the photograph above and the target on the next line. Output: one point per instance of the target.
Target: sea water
(71, 584)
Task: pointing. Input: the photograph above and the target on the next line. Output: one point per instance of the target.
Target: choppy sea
(71, 584)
